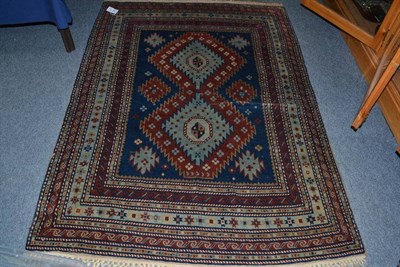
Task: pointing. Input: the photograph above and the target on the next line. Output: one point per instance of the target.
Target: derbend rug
(193, 136)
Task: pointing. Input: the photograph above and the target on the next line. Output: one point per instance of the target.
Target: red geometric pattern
(242, 92)
(231, 61)
(199, 65)
(242, 131)
(154, 89)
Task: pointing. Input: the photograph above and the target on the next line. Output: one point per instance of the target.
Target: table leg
(67, 39)
(376, 89)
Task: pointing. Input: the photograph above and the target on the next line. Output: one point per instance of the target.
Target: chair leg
(67, 39)
(376, 90)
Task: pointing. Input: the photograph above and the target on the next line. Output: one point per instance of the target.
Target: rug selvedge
(193, 135)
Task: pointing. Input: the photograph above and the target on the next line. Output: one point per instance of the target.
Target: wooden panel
(391, 21)
(341, 22)
(351, 12)
(348, 10)
(389, 103)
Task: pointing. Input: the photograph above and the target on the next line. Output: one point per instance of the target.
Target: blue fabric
(29, 11)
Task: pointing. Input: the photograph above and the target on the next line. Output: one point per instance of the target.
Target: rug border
(99, 260)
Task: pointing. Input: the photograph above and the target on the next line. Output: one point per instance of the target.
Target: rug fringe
(106, 261)
(237, 2)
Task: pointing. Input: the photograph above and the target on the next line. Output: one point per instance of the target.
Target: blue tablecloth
(32, 11)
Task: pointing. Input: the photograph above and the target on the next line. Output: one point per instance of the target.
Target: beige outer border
(106, 261)
(238, 2)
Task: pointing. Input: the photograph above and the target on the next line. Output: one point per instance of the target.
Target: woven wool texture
(193, 136)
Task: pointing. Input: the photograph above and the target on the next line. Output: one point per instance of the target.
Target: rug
(193, 136)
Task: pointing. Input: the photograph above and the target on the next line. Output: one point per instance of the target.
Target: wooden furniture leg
(382, 77)
(67, 39)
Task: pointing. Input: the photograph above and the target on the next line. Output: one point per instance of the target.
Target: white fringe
(105, 261)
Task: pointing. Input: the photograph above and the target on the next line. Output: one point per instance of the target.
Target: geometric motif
(193, 136)
(195, 128)
(144, 159)
(239, 42)
(154, 39)
(197, 61)
(154, 89)
(198, 129)
(241, 92)
(249, 165)
(193, 157)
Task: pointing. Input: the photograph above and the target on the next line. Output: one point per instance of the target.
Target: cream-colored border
(105, 261)
(238, 2)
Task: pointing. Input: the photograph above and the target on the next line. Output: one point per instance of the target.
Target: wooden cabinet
(376, 48)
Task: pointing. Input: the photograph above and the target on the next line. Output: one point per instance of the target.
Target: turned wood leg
(67, 39)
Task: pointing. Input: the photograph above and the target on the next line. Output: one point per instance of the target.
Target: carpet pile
(193, 136)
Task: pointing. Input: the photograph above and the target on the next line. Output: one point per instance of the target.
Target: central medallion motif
(197, 62)
(197, 134)
(198, 129)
